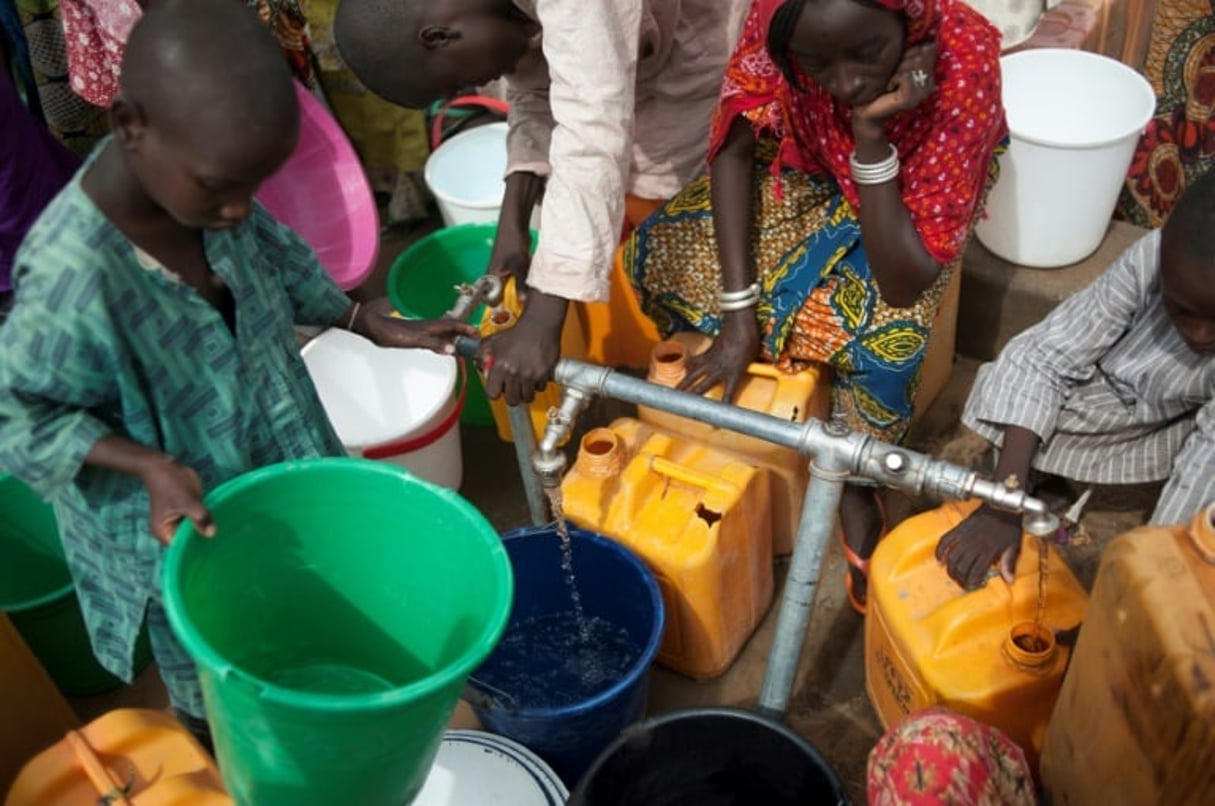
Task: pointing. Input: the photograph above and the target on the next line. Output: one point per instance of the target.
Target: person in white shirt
(608, 99)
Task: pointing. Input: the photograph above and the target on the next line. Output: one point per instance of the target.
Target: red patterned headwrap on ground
(937, 756)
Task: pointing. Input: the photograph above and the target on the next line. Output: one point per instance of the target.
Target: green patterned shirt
(101, 341)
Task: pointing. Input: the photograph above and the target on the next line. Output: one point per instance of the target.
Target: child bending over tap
(1115, 386)
(150, 354)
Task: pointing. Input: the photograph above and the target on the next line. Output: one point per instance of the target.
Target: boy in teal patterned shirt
(151, 354)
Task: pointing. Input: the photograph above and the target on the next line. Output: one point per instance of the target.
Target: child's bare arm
(373, 321)
(1191, 485)
(174, 490)
(987, 535)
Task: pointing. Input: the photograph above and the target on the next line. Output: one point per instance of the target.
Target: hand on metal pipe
(970, 549)
(520, 361)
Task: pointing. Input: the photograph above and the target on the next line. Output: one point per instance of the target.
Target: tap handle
(467, 347)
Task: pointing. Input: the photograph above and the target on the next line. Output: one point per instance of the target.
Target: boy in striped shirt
(1115, 386)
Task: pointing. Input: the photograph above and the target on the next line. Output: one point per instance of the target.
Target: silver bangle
(740, 305)
(729, 301)
(875, 173)
(744, 293)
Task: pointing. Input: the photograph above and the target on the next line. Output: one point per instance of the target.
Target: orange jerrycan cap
(1202, 533)
(601, 454)
(1030, 645)
(667, 363)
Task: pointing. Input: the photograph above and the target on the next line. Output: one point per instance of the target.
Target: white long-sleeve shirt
(617, 100)
(1110, 388)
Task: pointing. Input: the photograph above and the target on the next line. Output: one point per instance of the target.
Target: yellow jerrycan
(981, 653)
(573, 345)
(1135, 721)
(791, 397)
(32, 711)
(128, 757)
(699, 518)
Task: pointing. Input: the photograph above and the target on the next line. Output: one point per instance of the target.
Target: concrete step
(1000, 299)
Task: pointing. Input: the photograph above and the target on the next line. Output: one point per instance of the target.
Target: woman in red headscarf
(851, 150)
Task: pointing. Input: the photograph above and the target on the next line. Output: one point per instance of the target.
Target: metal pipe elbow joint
(549, 460)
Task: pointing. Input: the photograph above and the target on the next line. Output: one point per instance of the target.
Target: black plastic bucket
(709, 757)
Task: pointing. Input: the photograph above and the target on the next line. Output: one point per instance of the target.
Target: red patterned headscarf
(937, 756)
(945, 144)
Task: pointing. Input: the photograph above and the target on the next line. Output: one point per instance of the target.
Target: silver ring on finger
(919, 77)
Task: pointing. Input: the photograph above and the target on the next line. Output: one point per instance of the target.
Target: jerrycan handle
(760, 369)
(510, 295)
(109, 789)
(666, 467)
(765, 370)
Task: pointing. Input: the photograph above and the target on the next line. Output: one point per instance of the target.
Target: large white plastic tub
(399, 406)
(465, 174)
(1075, 119)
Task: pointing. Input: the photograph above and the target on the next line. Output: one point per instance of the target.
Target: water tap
(1038, 520)
(1041, 523)
(485, 290)
(549, 461)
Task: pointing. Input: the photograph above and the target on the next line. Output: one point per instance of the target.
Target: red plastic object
(436, 126)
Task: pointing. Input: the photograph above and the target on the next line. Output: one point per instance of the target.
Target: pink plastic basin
(322, 193)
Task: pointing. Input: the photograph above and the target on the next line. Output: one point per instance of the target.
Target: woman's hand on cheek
(911, 83)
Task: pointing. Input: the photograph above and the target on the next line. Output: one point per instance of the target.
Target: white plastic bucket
(399, 406)
(1075, 119)
(473, 767)
(465, 174)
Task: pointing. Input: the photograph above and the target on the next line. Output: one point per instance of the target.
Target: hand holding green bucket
(334, 619)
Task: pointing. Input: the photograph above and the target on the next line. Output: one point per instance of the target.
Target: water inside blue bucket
(562, 696)
(553, 661)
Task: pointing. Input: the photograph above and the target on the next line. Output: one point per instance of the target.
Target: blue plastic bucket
(614, 586)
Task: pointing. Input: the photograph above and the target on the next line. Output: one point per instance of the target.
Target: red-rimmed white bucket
(399, 406)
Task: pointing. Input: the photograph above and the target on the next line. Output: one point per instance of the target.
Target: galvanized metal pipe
(487, 290)
(827, 477)
(838, 454)
(861, 455)
(524, 434)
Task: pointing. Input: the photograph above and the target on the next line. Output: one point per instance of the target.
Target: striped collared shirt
(1112, 390)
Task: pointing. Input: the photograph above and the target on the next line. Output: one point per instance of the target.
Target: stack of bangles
(875, 173)
(730, 301)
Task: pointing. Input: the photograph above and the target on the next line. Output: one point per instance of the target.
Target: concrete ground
(830, 707)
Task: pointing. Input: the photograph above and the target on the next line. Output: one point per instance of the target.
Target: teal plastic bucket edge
(50, 597)
(46, 599)
(206, 655)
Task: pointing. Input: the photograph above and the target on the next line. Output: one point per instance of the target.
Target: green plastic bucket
(37, 594)
(422, 281)
(334, 619)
